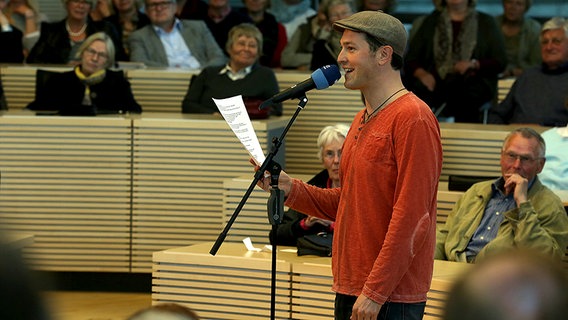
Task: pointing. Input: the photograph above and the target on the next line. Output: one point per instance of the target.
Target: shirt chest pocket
(377, 148)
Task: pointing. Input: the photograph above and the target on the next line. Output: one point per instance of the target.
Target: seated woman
(296, 224)
(60, 40)
(127, 19)
(25, 16)
(326, 50)
(11, 50)
(454, 59)
(90, 88)
(242, 75)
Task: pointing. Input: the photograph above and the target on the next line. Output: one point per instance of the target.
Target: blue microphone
(320, 79)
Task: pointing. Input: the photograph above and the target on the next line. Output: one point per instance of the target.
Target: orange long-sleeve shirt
(385, 211)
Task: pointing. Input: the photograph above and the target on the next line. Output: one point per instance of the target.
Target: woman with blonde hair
(91, 88)
(59, 41)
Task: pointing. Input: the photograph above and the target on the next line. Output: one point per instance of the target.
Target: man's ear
(384, 55)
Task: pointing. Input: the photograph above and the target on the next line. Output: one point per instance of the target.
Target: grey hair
(555, 23)
(247, 30)
(329, 134)
(99, 36)
(527, 133)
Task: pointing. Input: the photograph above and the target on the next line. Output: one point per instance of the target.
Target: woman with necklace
(59, 41)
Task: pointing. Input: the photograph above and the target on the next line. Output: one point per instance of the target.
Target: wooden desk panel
(234, 269)
(234, 284)
(160, 90)
(179, 166)
(67, 181)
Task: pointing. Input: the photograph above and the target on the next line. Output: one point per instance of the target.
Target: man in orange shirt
(385, 209)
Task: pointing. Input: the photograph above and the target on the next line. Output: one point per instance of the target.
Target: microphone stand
(275, 201)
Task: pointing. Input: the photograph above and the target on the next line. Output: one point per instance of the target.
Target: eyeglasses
(331, 154)
(95, 53)
(83, 2)
(511, 157)
(158, 5)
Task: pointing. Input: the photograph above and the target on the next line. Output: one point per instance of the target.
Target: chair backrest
(41, 92)
(446, 202)
(3, 105)
(462, 182)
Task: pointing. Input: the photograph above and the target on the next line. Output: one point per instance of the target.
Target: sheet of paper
(235, 113)
(250, 247)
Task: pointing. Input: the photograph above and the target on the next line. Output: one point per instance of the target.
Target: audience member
(11, 50)
(539, 95)
(521, 35)
(417, 22)
(555, 172)
(91, 88)
(273, 36)
(170, 42)
(242, 75)
(385, 209)
(165, 311)
(298, 51)
(59, 41)
(387, 6)
(190, 8)
(291, 13)
(20, 297)
(515, 285)
(102, 9)
(514, 211)
(325, 51)
(220, 18)
(454, 60)
(296, 224)
(25, 16)
(126, 19)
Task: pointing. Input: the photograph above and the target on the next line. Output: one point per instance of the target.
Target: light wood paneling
(159, 90)
(179, 167)
(192, 276)
(446, 202)
(221, 286)
(67, 182)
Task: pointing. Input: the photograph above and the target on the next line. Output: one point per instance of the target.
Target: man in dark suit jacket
(159, 44)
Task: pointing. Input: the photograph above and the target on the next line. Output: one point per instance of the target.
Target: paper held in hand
(235, 113)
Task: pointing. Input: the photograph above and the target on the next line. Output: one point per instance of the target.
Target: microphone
(320, 79)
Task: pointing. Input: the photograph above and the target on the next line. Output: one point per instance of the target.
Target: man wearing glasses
(170, 42)
(516, 210)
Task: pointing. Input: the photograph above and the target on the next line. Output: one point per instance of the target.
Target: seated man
(515, 210)
(539, 95)
(170, 42)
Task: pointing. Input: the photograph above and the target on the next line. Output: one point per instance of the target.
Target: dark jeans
(389, 311)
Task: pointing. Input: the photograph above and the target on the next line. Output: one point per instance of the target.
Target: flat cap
(379, 25)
